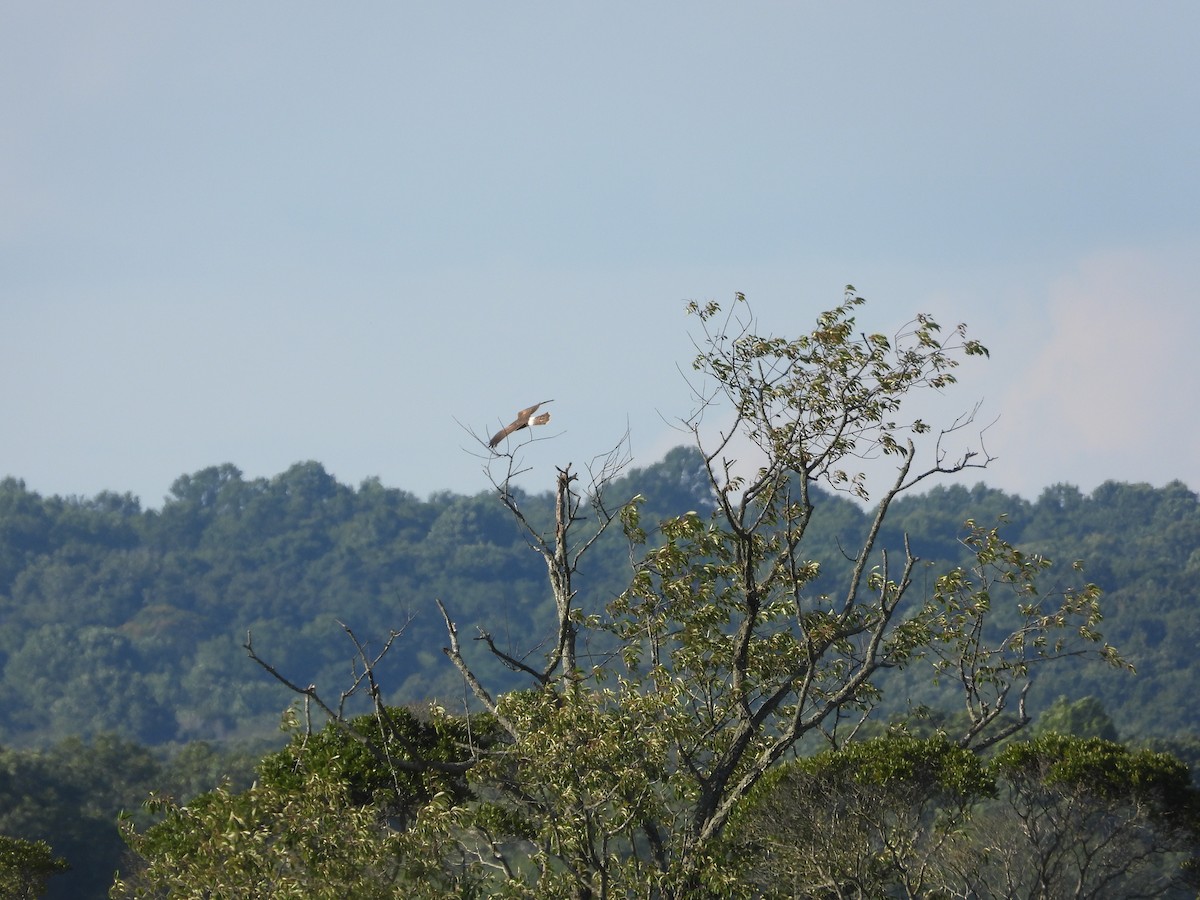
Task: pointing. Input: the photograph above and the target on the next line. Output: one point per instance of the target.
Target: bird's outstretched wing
(505, 432)
(524, 419)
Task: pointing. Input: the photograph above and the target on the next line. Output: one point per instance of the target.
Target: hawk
(524, 419)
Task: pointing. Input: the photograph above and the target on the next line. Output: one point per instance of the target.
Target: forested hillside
(126, 620)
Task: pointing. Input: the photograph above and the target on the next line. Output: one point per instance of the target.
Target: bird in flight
(524, 419)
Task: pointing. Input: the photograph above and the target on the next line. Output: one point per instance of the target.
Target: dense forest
(120, 619)
(124, 670)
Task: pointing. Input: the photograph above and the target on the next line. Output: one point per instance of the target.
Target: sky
(263, 233)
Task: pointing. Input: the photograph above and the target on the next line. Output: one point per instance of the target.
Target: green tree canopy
(26, 867)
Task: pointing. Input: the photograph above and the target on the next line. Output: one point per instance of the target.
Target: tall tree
(649, 719)
(884, 817)
(1056, 816)
(1088, 818)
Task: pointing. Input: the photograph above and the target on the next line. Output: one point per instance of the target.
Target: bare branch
(454, 653)
(417, 763)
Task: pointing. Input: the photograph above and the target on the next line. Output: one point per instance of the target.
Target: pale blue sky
(264, 233)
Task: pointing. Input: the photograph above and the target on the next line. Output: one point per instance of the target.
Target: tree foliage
(648, 720)
(1056, 816)
(1085, 717)
(1086, 817)
(119, 617)
(26, 867)
(68, 797)
(878, 818)
(325, 819)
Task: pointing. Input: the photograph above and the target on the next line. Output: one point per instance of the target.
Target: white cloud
(1110, 388)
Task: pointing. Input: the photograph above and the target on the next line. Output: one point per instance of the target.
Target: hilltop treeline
(119, 619)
